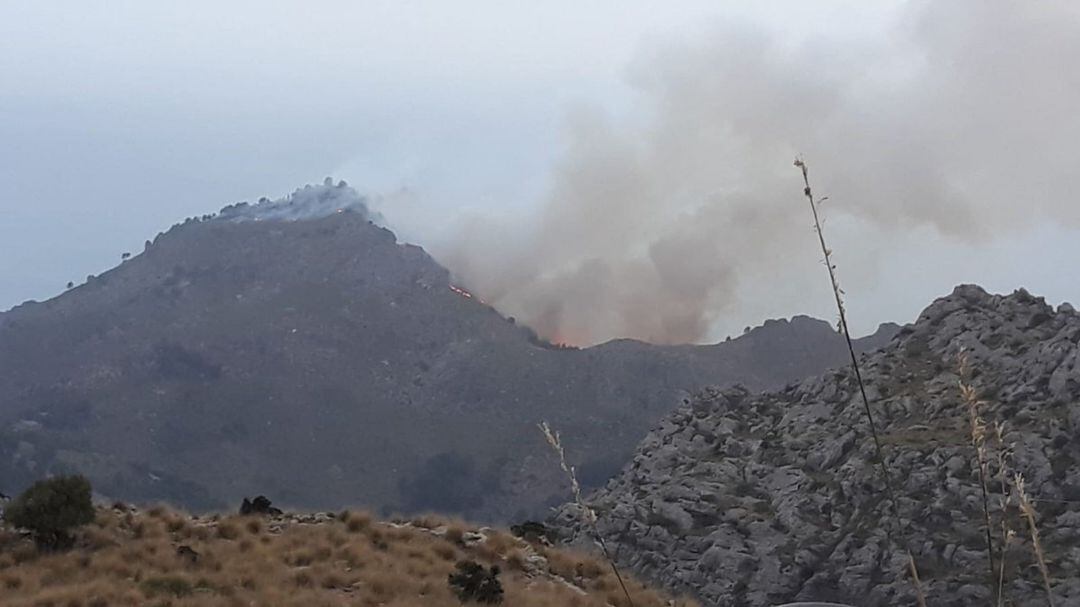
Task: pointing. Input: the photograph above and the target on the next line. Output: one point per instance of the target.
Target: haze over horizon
(615, 170)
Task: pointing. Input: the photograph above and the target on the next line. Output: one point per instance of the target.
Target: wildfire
(565, 340)
(462, 292)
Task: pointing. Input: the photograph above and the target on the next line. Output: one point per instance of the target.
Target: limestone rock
(759, 500)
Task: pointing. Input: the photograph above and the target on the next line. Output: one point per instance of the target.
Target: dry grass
(978, 442)
(1004, 499)
(979, 431)
(1028, 510)
(131, 558)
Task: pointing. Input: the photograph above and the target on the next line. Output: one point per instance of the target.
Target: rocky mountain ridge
(320, 361)
(755, 500)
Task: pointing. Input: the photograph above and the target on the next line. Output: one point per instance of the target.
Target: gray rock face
(744, 499)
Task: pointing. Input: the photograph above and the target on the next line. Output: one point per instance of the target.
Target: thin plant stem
(919, 596)
(1007, 535)
(1006, 532)
(978, 442)
(838, 295)
(588, 513)
(1028, 511)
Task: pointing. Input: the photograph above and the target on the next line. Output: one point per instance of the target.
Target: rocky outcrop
(747, 499)
(260, 505)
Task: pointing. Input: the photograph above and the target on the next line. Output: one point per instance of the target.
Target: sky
(599, 169)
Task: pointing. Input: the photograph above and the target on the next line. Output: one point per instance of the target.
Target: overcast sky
(118, 119)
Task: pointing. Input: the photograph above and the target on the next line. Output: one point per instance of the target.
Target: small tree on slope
(51, 508)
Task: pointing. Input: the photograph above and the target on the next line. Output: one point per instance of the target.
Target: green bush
(474, 583)
(51, 508)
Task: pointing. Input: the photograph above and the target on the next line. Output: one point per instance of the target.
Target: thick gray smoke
(963, 120)
(308, 202)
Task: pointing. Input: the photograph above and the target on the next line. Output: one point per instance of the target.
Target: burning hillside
(325, 363)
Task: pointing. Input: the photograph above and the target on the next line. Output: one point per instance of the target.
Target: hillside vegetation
(166, 558)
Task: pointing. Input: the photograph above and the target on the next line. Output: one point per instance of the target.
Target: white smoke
(961, 121)
(308, 202)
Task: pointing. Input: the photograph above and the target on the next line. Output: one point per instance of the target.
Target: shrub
(473, 583)
(533, 532)
(51, 508)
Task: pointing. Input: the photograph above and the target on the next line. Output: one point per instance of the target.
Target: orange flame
(461, 292)
(564, 338)
(464, 293)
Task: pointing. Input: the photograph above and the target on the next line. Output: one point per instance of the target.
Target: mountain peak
(308, 202)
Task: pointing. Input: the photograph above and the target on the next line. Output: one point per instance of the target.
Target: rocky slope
(293, 348)
(754, 500)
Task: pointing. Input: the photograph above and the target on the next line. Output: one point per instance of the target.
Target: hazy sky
(118, 119)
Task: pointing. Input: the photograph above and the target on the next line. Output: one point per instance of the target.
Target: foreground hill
(288, 349)
(161, 557)
(747, 499)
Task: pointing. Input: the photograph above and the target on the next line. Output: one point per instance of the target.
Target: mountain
(164, 557)
(294, 348)
(745, 499)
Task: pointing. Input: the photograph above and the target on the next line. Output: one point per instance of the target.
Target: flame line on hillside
(465, 294)
(461, 292)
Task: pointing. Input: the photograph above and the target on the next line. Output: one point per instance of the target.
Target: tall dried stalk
(978, 442)
(1027, 508)
(1007, 533)
(588, 514)
(1028, 511)
(838, 294)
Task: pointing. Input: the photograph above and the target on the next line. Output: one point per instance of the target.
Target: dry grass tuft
(455, 534)
(228, 530)
(1028, 510)
(254, 526)
(978, 430)
(356, 522)
(1010, 483)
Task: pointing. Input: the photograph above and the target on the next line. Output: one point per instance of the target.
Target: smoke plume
(962, 120)
(308, 202)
